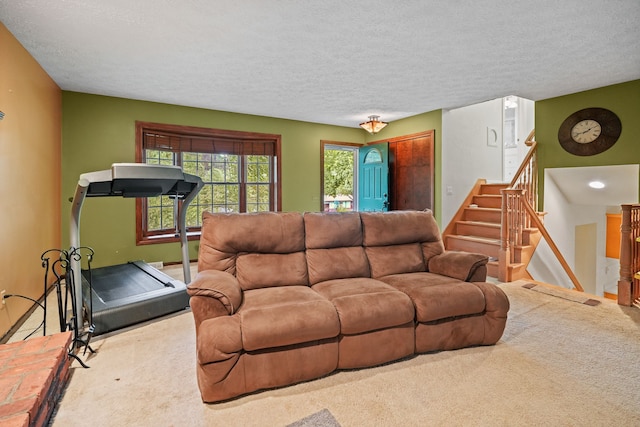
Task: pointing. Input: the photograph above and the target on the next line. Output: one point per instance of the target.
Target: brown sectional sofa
(286, 297)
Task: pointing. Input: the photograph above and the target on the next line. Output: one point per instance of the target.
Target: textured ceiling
(330, 61)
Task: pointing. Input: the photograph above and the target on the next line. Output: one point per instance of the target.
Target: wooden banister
(519, 212)
(629, 282)
(526, 177)
(526, 163)
(536, 221)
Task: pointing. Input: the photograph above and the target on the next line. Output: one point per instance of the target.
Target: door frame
(324, 143)
(399, 139)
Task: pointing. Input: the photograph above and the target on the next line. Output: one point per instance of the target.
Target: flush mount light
(373, 125)
(596, 184)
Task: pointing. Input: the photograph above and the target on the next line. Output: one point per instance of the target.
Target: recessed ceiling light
(596, 184)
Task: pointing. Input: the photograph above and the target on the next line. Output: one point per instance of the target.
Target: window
(240, 171)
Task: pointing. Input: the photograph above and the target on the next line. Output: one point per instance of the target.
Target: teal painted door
(373, 178)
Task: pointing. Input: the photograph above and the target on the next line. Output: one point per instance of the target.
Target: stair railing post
(504, 255)
(626, 279)
(635, 255)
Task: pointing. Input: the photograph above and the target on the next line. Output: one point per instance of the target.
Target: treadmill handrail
(129, 172)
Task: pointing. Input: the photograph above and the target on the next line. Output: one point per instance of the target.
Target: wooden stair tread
(492, 225)
(481, 239)
(481, 223)
(511, 265)
(476, 239)
(480, 208)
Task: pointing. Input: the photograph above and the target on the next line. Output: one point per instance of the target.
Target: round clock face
(589, 131)
(586, 131)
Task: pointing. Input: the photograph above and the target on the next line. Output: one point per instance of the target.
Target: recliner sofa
(285, 297)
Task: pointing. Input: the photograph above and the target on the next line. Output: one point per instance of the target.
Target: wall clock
(589, 131)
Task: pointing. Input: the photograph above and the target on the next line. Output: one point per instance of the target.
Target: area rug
(319, 419)
(562, 293)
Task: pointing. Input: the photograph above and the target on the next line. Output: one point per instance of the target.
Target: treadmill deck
(126, 294)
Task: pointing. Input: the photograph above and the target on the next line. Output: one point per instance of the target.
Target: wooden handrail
(536, 221)
(525, 163)
(530, 137)
(519, 212)
(526, 177)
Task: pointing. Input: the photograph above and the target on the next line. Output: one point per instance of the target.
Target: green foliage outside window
(338, 177)
(221, 192)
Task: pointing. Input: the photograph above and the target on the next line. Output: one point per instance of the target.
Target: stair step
(479, 245)
(483, 245)
(488, 201)
(483, 214)
(492, 188)
(478, 228)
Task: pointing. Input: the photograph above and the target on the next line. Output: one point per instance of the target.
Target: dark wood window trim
(178, 138)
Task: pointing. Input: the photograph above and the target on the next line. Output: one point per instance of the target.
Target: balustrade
(629, 283)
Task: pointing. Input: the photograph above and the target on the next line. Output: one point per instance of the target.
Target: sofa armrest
(214, 293)
(459, 265)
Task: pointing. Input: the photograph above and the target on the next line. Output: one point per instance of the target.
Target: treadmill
(122, 295)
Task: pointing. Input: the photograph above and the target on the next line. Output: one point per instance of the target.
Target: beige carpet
(559, 363)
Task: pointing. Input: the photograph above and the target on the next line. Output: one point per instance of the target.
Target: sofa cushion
(334, 246)
(274, 317)
(264, 270)
(365, 304)
(219, 338)
(337, 263)
(224, 236)
(459, 265)
(325, 230)
(393, 230)
(395, 259)
(438, 297)
(398, 227)
(219, 285)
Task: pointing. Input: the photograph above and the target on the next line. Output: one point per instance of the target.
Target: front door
(373, 177)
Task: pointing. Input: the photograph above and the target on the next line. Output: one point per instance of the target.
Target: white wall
(560, 221)
(526, 123)
(466, 157)
(466, 153)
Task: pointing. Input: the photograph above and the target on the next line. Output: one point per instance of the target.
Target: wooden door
(411, 171)
(373, 178)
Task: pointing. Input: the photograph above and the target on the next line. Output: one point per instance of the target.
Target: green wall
(623, 99)
(98, 131)
(414, 124)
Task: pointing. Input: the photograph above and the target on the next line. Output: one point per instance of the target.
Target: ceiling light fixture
(596, 184)
(374, 125)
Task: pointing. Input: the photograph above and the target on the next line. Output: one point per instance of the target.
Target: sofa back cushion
(263, 249)
(334, 246)
(400, 241)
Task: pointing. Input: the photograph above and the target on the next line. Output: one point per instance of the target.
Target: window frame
(226, 137)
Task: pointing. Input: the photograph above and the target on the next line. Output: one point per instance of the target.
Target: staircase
(476, 228)
(502, 221)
